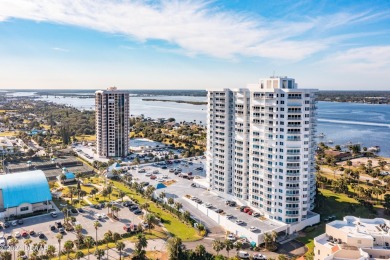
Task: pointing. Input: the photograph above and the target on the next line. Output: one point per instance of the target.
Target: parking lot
(182, 187)
(86, 219)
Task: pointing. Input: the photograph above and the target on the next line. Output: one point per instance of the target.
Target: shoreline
(176, 101)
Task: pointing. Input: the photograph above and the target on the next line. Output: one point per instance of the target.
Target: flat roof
(360, 227)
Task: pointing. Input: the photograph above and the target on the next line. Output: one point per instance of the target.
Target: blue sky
(193, 44)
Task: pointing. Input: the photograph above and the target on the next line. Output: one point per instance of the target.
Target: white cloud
(59, 49)
(372, 59)
(194, 26)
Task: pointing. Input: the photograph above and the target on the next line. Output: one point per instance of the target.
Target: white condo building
(112, 122)
(261, 147)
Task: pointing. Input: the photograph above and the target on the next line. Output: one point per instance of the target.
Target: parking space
(86, 219)
(178, 187)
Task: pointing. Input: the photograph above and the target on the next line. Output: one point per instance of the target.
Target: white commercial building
(354, 238)
(261, 147)
(112, 122)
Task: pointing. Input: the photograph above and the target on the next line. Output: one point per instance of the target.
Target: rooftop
(360, 227)
(24, 187)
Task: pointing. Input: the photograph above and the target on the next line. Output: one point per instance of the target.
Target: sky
(184, 44)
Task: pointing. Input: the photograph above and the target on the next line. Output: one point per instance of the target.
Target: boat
(321, 135)
(330, 142)
(374, 149)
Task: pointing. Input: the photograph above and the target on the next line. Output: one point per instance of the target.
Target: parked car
(193, 185)
(259, 256)
(231, 237)
(148, 174)
(208, 205)
(58, 224)
(239, 222)
(141, 170)
(24, 233)
(256, 214)
(32, 232)
(246, 210)
(153, 177)
(14, 223)
(61, 230)
(17, 234)
(219, 211)
(42, 236)
(189, 173)
(243, 255)
(253, 229)
(229, 216)
(20, 221)
(52, 228)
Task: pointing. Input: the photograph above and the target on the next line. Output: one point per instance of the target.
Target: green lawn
(330, 203)
(174, 225)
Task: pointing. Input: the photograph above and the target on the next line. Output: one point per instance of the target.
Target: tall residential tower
(112, 122)
(261, 145)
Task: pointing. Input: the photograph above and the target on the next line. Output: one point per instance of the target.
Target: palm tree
(50, 252)
(6, 255)
(13, 242)
(99, 253)
(78, 228)
(120, 246)
(150, 220)
(42, 244)
(28, 242)
(238, 246)
(21, 253)
(171, 201)
(218, 245)
(174, 248)
(140, 244)
(59, 238)
(88, 242)
(162, 195)
(121, 195)
(96, 226)
(108, 238)
(68, 246)
(178, 205)
(114, 210)
(145, 206)
(116, 236)
(228, 246)
(71, 192)
(79, 254)
(200, 251)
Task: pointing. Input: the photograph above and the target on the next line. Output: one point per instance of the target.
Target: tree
(79, 254)
(99, 253)
(96, 226)
(140, 244)
(108, 238)
(150, 220)
(121, 195)
(178, 205)
(238, 246)
(12, 243)
(88, 242)
(51, 251)
(21, 254)
(218, 245)
(386, 205)
(59, 238)
(78, 228)
(200, 251)
(228, 246)
(120, 246)
(145, 206)
(27, 243)
(171, 201)
(68, 247)
(174, 248)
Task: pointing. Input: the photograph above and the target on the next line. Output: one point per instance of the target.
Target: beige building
(112, 122)
(354, 238)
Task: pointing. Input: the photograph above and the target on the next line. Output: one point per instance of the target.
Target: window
(23, 208)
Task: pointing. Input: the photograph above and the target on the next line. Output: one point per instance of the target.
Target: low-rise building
(354, 238)
(6, 146)
(23, 193)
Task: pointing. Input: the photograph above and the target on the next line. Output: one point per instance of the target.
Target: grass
(8, 133)
(330, 203)
(6, 110)
(171, 223)
(88, 138)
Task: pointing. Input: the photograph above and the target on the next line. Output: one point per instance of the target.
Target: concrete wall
(230, 225)
(304, 223)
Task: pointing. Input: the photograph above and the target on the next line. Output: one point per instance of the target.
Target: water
(366, 124)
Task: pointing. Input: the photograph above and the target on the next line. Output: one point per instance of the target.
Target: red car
(24, 233)
(246, 210)
(153, 177)
(250, 212)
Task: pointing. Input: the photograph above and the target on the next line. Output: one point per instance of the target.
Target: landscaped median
(173, 224)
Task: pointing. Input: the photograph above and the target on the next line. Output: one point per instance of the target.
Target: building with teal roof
(24, 192)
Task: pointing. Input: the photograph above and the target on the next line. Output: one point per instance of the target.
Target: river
(341, 123)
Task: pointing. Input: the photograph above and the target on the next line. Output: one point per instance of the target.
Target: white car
(259, 257)
(14, 223)
(208, 205)
(253, 229)
(231, 237)
(17, 234)
(165, 176)
(194, 198)
(229, 216)
(98, 216)
(160, 180)
(103, 215)
(243, 255)
(239, 222)
(3, 242)
(148, 174)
